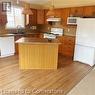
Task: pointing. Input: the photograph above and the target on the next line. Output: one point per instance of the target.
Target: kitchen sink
(18, 33)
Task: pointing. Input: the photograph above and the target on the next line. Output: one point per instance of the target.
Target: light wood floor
(61, 80)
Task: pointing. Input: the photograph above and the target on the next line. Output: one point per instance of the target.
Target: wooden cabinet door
(33, 18)
(4, 19)
(67, 45)
(65, 15)
(40, 16)
(61, 40)
(45, 16)
(3, 16)
(89, 11)
(58, 13)
(77, 11)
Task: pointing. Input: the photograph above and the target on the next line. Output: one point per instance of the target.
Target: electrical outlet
(68, 30)
(48, 28)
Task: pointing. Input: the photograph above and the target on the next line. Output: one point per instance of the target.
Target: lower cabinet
(67, 45)
(7, 46)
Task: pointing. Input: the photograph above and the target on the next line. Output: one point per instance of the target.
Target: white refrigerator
(85, 41)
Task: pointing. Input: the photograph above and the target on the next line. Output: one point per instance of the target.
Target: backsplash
(70, 30)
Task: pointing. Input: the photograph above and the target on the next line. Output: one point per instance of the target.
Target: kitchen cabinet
(65, 15)
(33, 18)
(62, 13)
(40, 16)
(67, 45)
(7, 47)
(89, 11)
(3, 19)
(45, 16)
(77, 11)
(3, 16)
(58, 13)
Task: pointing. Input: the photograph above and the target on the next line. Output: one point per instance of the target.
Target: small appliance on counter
(72, 20)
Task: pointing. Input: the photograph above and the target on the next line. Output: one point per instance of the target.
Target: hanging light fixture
(27, 10)
(51, 12)
(17, 1)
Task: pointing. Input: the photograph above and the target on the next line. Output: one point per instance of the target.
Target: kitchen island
(38, 53)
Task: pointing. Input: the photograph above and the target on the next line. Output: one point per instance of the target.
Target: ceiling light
(51, 10)
(27, 10)
(17, 1)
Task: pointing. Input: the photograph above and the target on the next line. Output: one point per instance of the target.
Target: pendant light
(51, 12)
(17, 1)
(27, 10)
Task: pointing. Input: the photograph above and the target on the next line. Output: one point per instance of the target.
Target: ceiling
(41, 2)
(62, 3)
(58, 3)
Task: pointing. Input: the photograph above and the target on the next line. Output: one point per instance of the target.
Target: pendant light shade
(27, 10)
(51, 11)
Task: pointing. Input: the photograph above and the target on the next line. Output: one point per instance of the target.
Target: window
(15, 18)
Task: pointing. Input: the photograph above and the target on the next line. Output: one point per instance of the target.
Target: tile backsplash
(70, 30)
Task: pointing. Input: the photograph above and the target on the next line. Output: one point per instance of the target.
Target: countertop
(26, 40)
(6, 35)
(22, 33)
(27, 33)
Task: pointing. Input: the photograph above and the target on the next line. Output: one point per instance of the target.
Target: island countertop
(26, 40)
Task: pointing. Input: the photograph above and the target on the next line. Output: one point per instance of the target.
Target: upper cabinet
(3, 19)
(40, 16)
(89, 11)
(33, 18)
(3, 16)
(45, 15)
(77, 11)
(58, 13)
(65, 15)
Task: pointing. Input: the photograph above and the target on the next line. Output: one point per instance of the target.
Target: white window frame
(15, 19)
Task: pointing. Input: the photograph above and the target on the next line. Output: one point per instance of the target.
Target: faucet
(19, 28)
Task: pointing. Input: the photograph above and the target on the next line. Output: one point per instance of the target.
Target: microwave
(72, 20)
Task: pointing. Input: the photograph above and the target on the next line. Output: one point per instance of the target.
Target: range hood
(54, 19)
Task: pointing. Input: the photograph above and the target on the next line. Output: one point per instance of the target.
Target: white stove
(54, 32)
(57, 31)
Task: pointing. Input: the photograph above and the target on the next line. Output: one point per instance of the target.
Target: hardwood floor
(40, 82)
